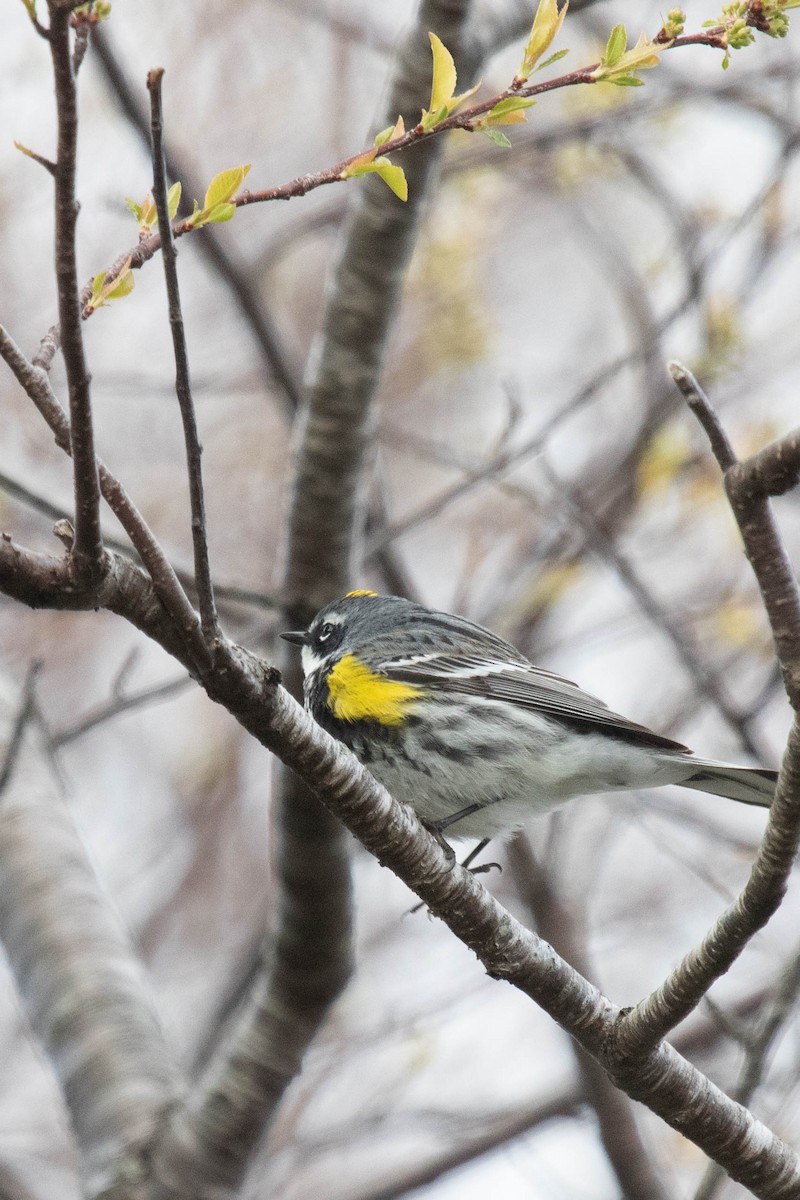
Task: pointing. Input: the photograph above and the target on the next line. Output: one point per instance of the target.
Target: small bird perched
(457, 723)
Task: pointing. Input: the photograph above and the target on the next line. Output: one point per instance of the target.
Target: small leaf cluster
(742, 19)
(618, 64)
(93, 12)
(217, 205)
(673, 26)
(370, 162)
(546, 24)
(145, 213)
(105, 289)
(443, 101)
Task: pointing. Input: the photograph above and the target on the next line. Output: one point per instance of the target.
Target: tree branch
(36, 384)
(249, 690)
(82, 984)
(88, 547)
(209, 619)
(622, 1141)
(653, 1018)
(757, 1048)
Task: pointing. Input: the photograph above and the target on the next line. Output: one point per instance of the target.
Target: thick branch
(81, 982)
(660, 1078)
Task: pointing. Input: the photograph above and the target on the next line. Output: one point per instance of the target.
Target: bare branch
(701, 407)
(313, 947)
(88, 547)
(757, 1048)
(209, 619)
(228, 592)
(114, 708)
(774, 470)
(622, 1141)
(526, 1119)
(652, 1018)
(704, 679)
(26, 711)
(36, 384)
(47, 163)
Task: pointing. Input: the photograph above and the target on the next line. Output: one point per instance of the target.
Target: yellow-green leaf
(616, 47)
(641, 57)
(97, 285)
(497, 136)
(390, 133)
(444, 81)
(392, 175)
(121, 286)
(548, 62)
(506, 112)
(104, 289)
(443, 86)
(173, 199)
(355, 167)
(26, 150)
(135, 208)
(148, 216)
(223, 187)
(546, 24)
(220, 213)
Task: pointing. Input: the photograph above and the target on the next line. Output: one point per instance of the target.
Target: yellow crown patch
(356, 693)
(360, 592)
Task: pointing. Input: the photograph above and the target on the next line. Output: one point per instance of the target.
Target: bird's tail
(749, 785)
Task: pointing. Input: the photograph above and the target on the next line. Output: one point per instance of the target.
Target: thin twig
(757, 1049)
(35, 382)
(499, 465)
(25, 712)
(229, 592)
(149, 246)
(553, 919)
(700, 405)
(115, 708)
(209, 619)
(466, 119)
(88, 545)
(47, 163)
(704, 679)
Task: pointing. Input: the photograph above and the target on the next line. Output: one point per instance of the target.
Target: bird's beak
(298, 637)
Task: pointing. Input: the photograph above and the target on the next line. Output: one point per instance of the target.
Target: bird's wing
(519, 682)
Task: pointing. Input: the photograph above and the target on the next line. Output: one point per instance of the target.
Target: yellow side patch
(356, 693)
(360, 592)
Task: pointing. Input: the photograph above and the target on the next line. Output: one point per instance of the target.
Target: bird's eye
(325, 632)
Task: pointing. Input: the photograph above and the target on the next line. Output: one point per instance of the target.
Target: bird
(456, 722)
